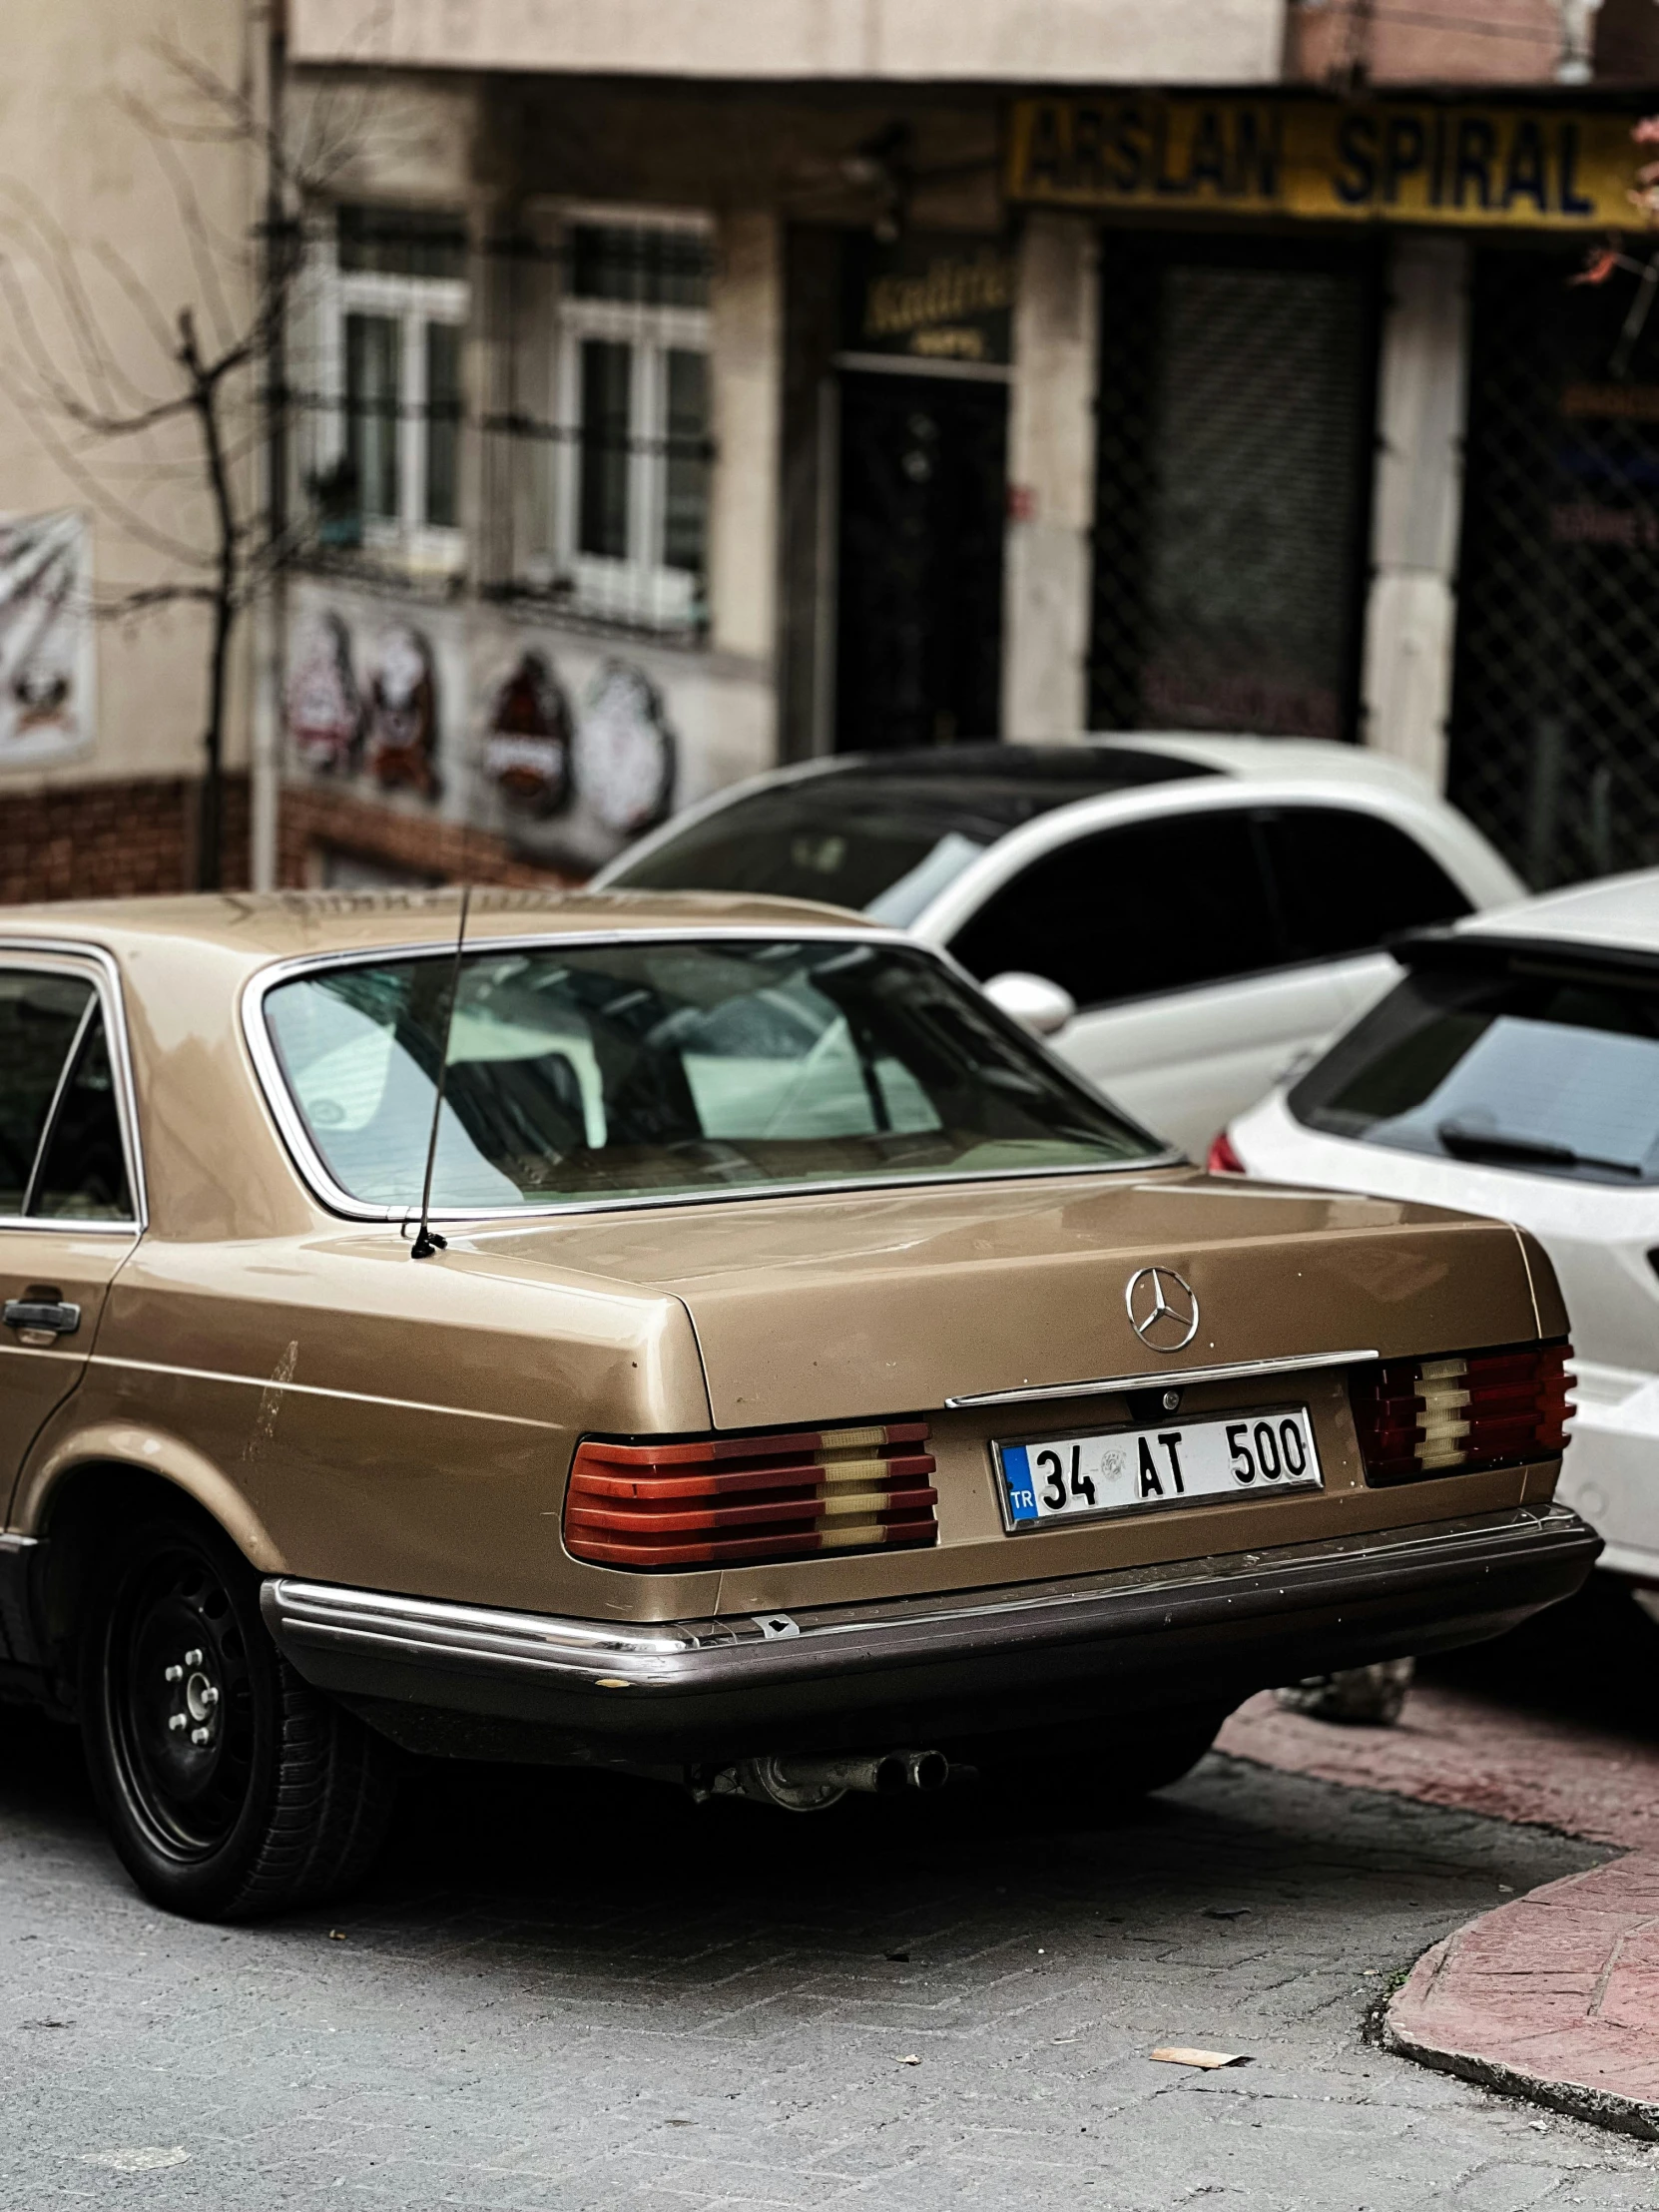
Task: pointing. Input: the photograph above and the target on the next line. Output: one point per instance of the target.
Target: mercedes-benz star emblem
(1163, 1311)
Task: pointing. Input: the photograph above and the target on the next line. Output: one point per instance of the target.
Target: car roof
(1099, 762)
(983, 790)
(277, 925)
(1274, 759)
(989, 790)
(1617, 910)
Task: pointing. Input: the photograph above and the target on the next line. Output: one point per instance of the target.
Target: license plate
(1132, 1471)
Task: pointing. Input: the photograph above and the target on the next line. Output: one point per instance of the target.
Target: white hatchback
(1181, 915)
(1514, 1070)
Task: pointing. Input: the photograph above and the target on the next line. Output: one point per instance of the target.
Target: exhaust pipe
(803, 1784)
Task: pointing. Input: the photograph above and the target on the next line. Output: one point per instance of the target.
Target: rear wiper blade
(1492, 1144)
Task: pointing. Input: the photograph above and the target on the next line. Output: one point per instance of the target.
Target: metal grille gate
(1232, 483)
(1555, 707)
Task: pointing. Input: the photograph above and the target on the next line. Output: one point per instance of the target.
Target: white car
(1181, 915)
(1514, 1070)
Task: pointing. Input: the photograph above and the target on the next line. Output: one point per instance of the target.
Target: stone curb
(1553, 1998)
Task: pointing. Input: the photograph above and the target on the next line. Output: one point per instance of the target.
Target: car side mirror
(1033, 1000)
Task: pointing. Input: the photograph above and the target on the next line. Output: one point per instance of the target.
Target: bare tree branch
(216, 364)
(141, 301)
(191, 220)
(116, 510)
(62, 397)
(147, 596)
(44, 245)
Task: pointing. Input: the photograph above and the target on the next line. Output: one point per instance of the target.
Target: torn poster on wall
(47, 660)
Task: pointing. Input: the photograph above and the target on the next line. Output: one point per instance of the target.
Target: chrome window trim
(46, 955)
(315, 1174)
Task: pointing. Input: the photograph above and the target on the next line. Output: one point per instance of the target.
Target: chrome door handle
(55, 1317)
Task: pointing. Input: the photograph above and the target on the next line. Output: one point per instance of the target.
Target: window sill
(384, 566)
(572, 613)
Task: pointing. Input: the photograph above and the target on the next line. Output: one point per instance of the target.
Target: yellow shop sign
(1388, 161)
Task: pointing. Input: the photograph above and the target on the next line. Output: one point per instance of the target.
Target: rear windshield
(652, 1069)
(884, 839)
(1550, 1069)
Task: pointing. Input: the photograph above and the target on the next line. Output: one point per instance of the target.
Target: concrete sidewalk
(1554, 1996)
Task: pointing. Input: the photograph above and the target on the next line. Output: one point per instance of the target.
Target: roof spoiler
(1446, 948)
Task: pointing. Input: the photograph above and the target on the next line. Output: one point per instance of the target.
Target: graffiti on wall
(567, 771)
(625, 758)
(46, 650)
(325, 706)
(527, 744)
(402, 745)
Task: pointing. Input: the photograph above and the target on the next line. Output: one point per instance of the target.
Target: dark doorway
(920, 598)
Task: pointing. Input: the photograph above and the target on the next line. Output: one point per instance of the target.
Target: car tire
(1102, 1782)
(229, 1787)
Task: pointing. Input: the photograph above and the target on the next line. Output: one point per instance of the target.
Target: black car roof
(992, 788)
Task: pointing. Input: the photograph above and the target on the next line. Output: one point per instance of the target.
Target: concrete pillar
(1051, 444)
(746, 375)
(1422, 406)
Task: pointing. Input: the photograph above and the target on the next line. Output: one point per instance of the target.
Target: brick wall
(112, 840)
(315, 822)
(124, 839)
(1424, 42)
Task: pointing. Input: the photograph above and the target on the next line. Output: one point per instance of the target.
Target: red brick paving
(1453, 1747)
(1556, 1995)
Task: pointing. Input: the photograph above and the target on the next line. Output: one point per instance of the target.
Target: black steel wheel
(229, 1787)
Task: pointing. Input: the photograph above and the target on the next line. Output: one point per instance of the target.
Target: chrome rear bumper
(1102, 1644)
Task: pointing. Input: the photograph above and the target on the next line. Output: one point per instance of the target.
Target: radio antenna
(427, 1240)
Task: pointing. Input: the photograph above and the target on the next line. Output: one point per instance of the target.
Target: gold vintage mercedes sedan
(797, 1381)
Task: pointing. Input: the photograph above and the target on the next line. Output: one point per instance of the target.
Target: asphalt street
(590, 1994)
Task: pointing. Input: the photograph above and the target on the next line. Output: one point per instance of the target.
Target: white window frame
(639, 589)
(413, 303)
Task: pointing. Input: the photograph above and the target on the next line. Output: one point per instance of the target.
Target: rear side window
(60, 1150)
(1344, 881)
(875, 850)
(1542, 1068)
(82, 1174)
(40, 1020)
(888, 836)
(1150, 907)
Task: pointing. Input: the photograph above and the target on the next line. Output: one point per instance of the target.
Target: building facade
(579, 388)
(893, 375)
(661, 393)
(132, 181)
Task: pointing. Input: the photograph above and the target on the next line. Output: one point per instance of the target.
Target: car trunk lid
(854, 1305)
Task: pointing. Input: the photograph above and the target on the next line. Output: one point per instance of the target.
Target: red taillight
(1223, 1159)
(728, 1500)
(1418, 1418)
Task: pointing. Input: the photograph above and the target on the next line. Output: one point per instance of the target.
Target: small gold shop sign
(1388, 161)
(932, 297)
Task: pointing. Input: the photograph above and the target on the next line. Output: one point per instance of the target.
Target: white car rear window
(1515, 1060)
